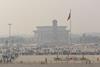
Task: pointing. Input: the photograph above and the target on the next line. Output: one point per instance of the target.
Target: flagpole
(70, 29)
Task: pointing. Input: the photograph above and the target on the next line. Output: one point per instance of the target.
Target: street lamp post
(9, 35)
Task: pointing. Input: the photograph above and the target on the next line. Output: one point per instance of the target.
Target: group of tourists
(8, 58)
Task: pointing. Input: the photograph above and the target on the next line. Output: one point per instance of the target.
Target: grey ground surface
(49, 65)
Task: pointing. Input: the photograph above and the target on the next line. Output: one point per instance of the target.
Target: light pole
(9, 35)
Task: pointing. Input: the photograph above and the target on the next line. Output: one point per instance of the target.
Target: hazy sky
(25, 15)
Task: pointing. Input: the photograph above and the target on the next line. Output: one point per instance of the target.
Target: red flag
(69, 16)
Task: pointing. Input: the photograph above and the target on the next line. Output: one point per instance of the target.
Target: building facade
(51, 35)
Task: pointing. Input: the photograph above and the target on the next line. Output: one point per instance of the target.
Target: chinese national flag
(69, 16)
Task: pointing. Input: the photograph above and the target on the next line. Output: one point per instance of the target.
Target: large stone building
(51, 35)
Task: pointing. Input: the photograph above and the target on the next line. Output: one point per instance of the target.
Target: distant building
(51, 35)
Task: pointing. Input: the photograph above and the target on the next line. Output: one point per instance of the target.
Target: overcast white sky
(25, 15)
